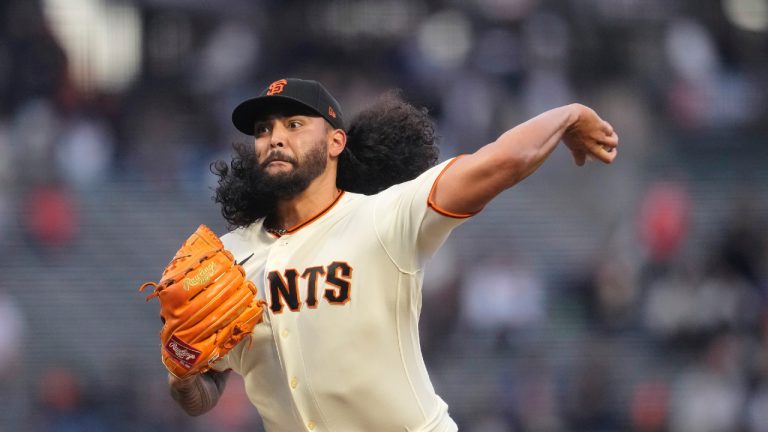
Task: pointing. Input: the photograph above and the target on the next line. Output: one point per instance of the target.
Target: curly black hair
(241, 191)
(388, 143)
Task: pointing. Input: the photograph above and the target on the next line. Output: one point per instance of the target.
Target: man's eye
(293, 124)
(261, 129)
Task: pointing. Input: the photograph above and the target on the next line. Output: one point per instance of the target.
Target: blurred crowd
(630, 298)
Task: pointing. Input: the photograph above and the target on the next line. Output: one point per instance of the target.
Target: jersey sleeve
(409, 225)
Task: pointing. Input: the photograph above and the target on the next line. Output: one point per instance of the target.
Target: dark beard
(286, 185)
(247, 193)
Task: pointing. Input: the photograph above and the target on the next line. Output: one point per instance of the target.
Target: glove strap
(155, 293)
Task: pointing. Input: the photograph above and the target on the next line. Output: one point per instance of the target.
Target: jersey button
(294, 383)
(311, 425)
(284, 333)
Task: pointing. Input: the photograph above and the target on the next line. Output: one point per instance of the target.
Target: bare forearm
(477, 178)
(200, 393)
(525, 147)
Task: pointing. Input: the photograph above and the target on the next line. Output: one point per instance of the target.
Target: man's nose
(278, 137)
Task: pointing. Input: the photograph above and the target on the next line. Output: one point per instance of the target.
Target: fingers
(608, 137)
(607, 128)
(607, 156)
(611, 140)
(598, 141)
(607, 148)
(604, 152)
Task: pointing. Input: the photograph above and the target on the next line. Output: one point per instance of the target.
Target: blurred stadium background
(621, 298)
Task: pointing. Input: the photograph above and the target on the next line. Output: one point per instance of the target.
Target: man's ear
(337, 143)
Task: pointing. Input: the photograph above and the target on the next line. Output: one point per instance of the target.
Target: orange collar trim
(312, 219)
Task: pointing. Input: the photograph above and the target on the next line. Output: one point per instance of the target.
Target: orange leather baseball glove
(207, 305)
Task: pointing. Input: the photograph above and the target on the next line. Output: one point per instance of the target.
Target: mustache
(277, 156)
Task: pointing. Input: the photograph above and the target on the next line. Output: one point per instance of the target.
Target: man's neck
(313, 200)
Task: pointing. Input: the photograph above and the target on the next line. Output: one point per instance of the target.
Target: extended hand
(589, 136)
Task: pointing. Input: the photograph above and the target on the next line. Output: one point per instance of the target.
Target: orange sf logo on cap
(331, 112)
(276, 87)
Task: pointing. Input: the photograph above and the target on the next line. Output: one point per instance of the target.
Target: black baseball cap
(288, 93)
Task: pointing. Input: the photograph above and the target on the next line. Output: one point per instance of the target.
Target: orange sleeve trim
(431, 201)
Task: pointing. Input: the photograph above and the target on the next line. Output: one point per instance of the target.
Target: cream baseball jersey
(338, 349)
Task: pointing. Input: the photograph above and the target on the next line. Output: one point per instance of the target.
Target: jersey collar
(293, 230)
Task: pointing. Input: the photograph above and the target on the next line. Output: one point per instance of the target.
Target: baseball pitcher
(333, 223)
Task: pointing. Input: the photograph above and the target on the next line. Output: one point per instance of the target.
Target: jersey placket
(286, 336)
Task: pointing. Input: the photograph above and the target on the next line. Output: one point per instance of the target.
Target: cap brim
(245, 115)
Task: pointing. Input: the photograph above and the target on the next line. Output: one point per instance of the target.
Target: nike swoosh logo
(245, 260)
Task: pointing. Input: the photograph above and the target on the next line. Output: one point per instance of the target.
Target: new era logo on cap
(283, 95)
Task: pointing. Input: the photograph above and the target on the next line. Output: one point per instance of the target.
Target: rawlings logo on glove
(182, 353)
(207, 305)
(203, 277)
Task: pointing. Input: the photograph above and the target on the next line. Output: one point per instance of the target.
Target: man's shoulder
(423, 180)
